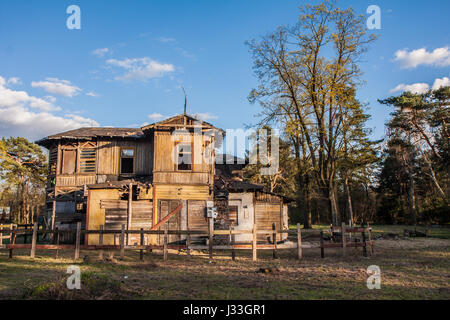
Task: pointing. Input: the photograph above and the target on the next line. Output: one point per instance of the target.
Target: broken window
(184, 157)
(127, 161)
(87, 160)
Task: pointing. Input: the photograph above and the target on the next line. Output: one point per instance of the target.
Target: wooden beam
(33, 240)
(165, 244)
(129, 209)
(299, 242)
(343, 238)
(122, 242)
(274, 237)
(77, 241)
(166, 218)
(254, 244)
(100, 243)
(211, 235)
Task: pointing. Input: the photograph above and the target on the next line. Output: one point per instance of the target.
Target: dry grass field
(416, 268)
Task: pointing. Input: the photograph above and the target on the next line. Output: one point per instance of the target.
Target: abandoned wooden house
(161, 175)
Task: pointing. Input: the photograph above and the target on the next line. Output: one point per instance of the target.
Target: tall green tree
(307, 78)
(23, 169)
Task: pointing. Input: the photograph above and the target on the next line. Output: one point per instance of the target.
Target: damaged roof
(91, 133)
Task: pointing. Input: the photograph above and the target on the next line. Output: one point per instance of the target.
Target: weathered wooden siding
(108, 156)
(96, 214)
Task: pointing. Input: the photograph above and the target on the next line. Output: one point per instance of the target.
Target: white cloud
(17, 117)
(155, 116)
(440, 57)
(56, 86)
(92, 94)
(141, 69)
(413, 88)
(166, 39)
(438, 83)
(10, 97)
(205, 116)
(421, 87)
(101, 52)
(13, 81)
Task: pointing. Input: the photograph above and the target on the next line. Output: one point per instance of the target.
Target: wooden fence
(188, 246)
(346, 242)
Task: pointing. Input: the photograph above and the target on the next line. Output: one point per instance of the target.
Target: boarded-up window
(197, 215)
(233, 214)
(69, 161)
(87, 160)
(184, 157)
(127, 157)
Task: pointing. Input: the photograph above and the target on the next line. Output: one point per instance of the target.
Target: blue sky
(126, 64)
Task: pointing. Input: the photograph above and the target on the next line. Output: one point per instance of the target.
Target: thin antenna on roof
(185, 100)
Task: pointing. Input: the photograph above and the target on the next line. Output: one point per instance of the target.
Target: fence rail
(12, 233)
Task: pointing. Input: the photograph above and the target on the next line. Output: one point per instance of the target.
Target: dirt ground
(410, 269)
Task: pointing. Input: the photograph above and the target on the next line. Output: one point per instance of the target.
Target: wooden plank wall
(268, 210)
(108, 156)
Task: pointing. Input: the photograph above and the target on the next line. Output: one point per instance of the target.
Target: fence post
(122, 242)
(254, 244)
(165, 243)
(274, 236)
(322, 250)
(363, 233)
(370, 239)
(232, 238)
(33, 240)
(141, 252)
(77, 241)
(12, 241)
(188, 243)
(57, 243)
(299, 242)
(211, 234)
(344, 244)
(100, 243)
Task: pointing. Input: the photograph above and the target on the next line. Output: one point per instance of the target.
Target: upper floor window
(127, 158)
(184, 157)
(87, 160)
(69, 161)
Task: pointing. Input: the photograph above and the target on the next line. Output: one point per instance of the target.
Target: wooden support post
(232, 239)
(322, 249)
(344, 244)
(274, 237)
(122, 242)
(57, 244)
(371, 240)
(141, 252)
(129, 210)
(77, 241)
(254, 244)
(363, 233)
(33, 240)
(100, 243)
(188, 244)
(299, 242)
(166, 236)
(13, 242)
(211, 234)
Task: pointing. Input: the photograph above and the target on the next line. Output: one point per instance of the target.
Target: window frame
(127, 157)
(177, 149)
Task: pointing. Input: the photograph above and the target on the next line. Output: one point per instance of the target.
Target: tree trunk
(349, 200)
(333, 205)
